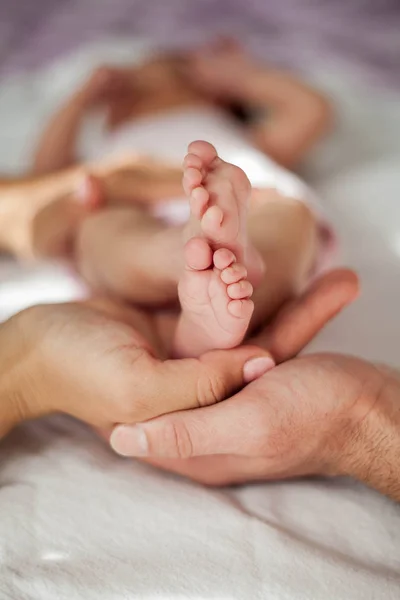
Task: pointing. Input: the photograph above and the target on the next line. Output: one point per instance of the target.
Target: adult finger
(157, 387)
(300, 321)
(214, 469)
(231, 427)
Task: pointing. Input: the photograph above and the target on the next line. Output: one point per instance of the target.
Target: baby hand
(104, 85)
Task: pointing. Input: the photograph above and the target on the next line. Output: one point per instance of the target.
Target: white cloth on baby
(166, 136)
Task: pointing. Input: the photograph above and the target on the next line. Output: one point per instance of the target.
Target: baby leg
(285, 233)
(214, 291)
(128, 253)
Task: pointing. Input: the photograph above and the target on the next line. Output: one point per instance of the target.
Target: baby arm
(57, 146)
(296, 115)
(291, 115)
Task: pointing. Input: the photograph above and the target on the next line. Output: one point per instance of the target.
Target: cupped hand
(301, 418)
(49, 230)
(294, 420)
(103, 363)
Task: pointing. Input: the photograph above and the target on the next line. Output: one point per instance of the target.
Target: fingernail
(256, 367)
(129, 440)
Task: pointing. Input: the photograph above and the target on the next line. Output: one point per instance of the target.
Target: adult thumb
(299, 321)
(178, 385)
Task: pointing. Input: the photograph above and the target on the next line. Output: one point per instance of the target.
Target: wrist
(374, 458)
(15, 389)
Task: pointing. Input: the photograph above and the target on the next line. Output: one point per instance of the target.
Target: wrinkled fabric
(77, 522)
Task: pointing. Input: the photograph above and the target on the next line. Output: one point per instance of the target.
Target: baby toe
(204, 150)
(233, 273)
(223, 258)
(197, 254)
(198, 201)
(242, 309)
(192, 178)
(194, 162)
(212, 221)
(239, 290)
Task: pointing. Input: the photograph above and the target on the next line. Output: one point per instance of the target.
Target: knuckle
(210, 389)
(178, 439)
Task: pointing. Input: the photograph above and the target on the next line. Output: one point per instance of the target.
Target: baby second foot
(215, 300)
(219, 194)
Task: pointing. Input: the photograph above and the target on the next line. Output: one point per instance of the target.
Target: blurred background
(295, 32)
(48, 45)
(348, 48)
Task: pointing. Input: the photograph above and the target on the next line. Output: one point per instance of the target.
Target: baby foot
(219, 195)
(215, 300)
(214, 291)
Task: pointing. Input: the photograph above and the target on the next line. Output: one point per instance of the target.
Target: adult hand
(47, 227)
(99, 362)
(300, 418)
(325, 414)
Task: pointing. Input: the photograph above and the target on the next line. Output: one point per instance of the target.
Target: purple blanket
(364, 34)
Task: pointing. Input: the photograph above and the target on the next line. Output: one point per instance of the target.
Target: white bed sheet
(77, 522)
